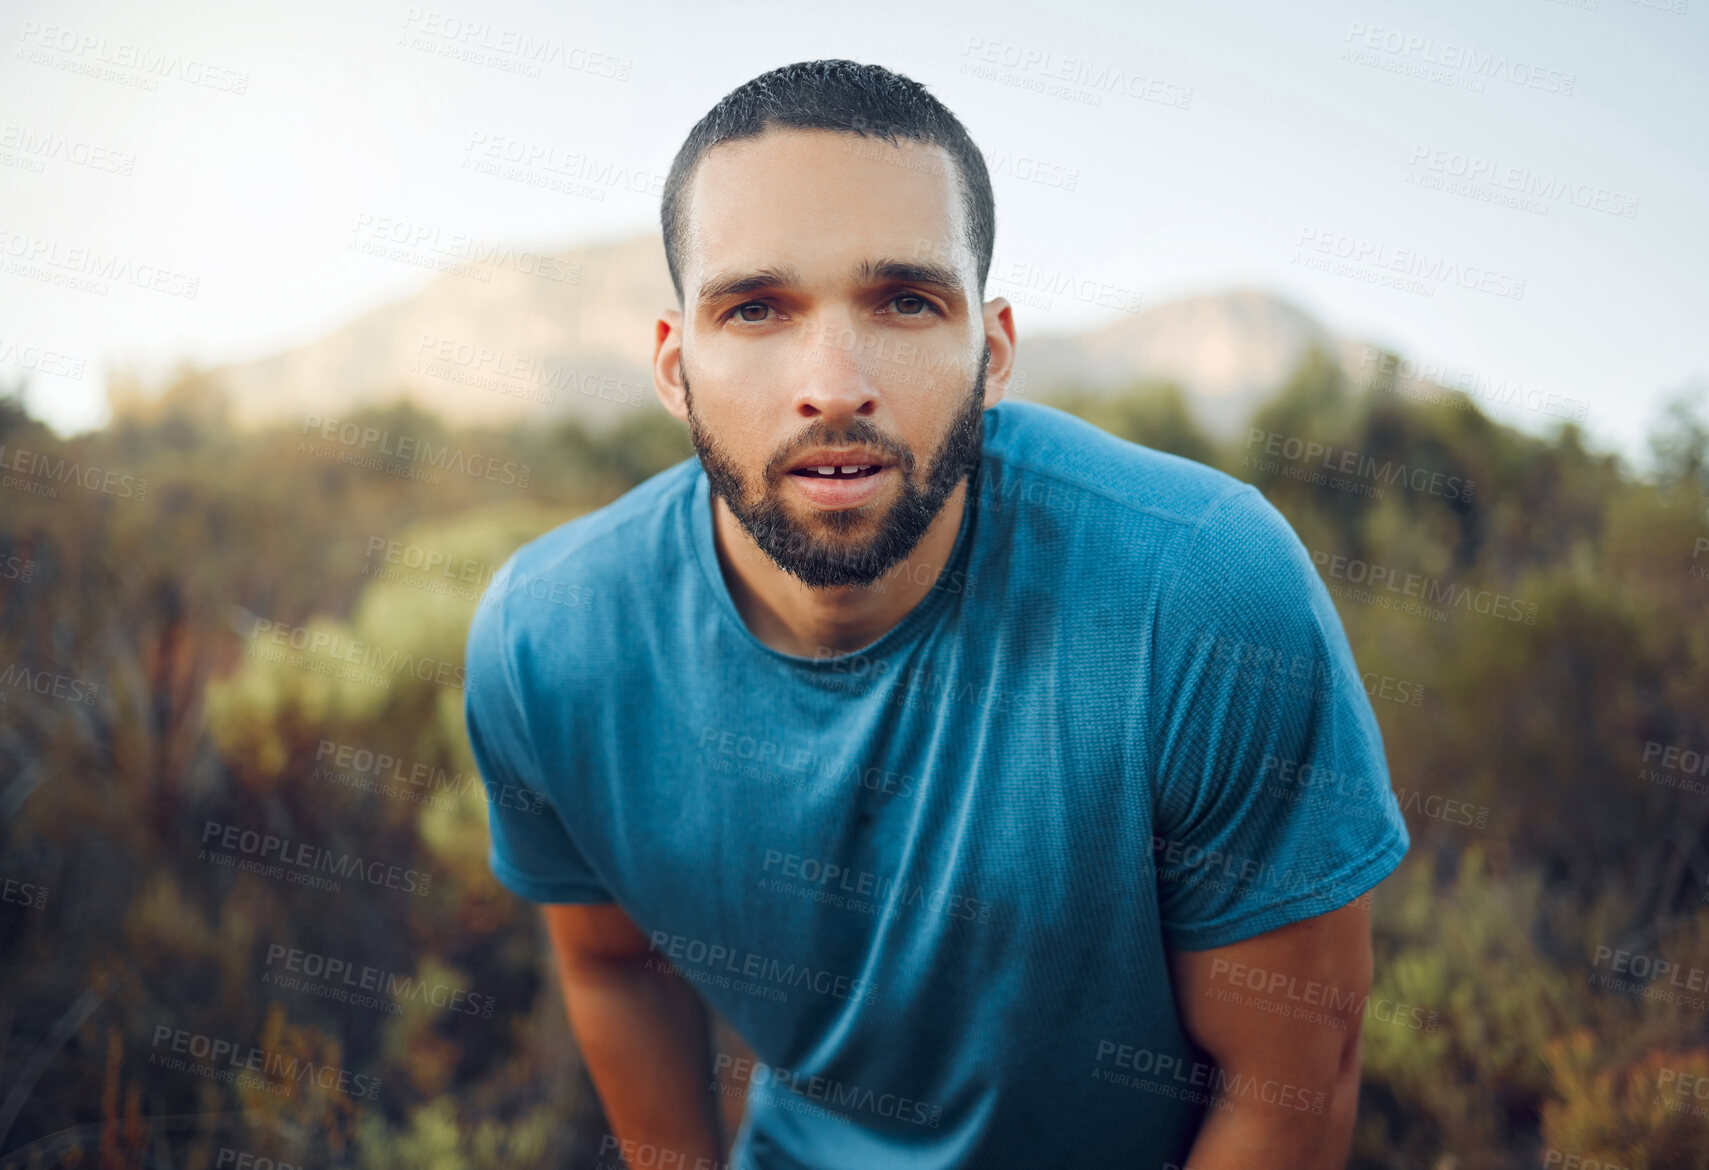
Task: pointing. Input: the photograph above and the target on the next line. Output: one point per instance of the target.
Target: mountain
(1227, 350)
(513, 336)
(517, 335)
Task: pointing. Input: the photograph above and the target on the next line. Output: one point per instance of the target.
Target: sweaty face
(852, 545)
(836, 344)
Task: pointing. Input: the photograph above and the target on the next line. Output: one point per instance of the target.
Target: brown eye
(741, 311)
(925, 305)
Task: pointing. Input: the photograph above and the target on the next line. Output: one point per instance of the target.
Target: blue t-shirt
(931, 883)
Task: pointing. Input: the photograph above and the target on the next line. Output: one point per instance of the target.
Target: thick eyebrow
(932, 275)
(939, 276)
(732, 284)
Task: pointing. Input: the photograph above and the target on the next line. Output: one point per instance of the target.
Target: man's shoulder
(1047, 457)
(1177, 528)
(559, 594)
(621, 540)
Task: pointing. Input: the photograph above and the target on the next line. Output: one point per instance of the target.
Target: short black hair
(837, 94)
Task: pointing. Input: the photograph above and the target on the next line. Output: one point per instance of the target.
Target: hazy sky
(1514, 190)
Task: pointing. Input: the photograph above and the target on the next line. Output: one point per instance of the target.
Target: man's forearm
(1243, 1131)
(642, 1033)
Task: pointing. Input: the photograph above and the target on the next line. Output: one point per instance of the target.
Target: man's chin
(834, 549)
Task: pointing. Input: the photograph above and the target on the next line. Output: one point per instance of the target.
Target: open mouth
(851, 471)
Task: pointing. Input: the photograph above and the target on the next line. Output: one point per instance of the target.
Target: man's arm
(642, 1032)
(1279, 1013)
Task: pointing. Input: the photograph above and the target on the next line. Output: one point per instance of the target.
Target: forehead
(821, 200)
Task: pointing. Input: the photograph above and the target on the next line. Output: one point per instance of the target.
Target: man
(975, 765)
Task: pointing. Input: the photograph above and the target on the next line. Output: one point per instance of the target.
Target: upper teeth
(840, 467)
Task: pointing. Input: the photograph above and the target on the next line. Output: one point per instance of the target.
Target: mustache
(858, 433)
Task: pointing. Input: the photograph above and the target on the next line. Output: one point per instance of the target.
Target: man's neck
(793, 618)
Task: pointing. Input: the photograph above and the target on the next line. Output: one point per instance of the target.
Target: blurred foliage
(1153, 413)
(157, 593)
(1680, 443)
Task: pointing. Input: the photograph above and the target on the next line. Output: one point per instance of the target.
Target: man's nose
(833, 381)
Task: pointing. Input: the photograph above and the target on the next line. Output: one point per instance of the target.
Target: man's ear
(667, 363)
(1000, 339)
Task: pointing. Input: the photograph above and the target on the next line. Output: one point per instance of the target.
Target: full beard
(826, 562)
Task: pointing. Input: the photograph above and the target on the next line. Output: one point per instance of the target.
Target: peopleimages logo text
(235, 1056)
(412, 449)
(1431, 590)
(300, 855)
(1356, 463)
(353, 650)
(61, 470)
(351, 977)
(1482, 64)
(1431, 269)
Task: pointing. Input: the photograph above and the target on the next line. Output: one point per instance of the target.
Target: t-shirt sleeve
(1270, 789)
(532, 854)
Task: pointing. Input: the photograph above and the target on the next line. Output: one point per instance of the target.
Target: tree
(1679, 441)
